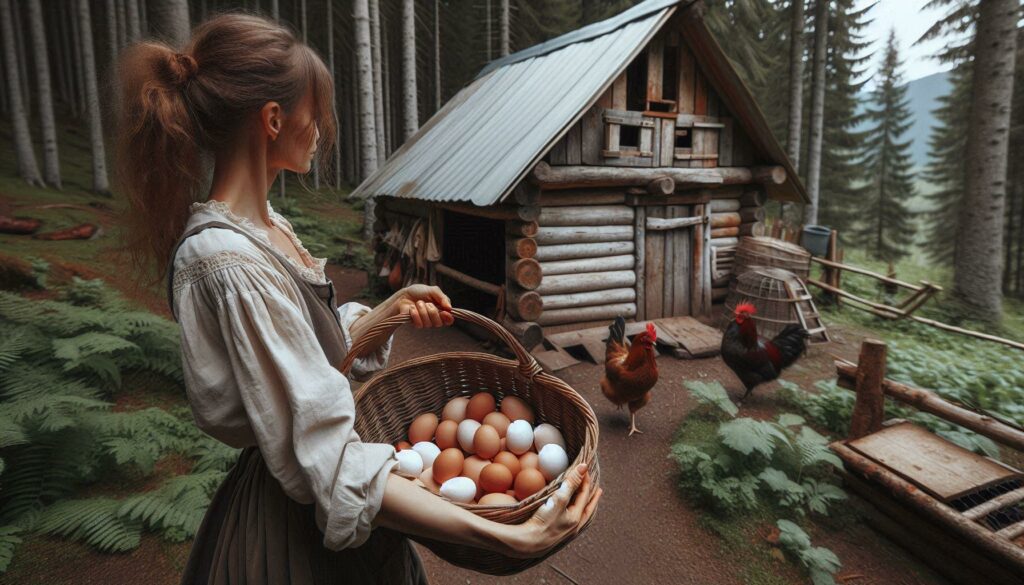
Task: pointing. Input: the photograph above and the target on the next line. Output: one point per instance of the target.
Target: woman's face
(296, 140)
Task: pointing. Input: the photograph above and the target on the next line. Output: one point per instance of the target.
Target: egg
(529, 460)
(467, 430)
(428, 451)
(480, 405)
(446, 435)
(473, 466)
(545, 434)
(498, 421)
(422, 428)
(516, 409)
(427, 479)
(495, 478)
(448, 464)
(511, 493)
(403, 445)
(459, 489)
(498, 500)
(486, 443)
(409, 462)
(455, 409)
(509, 460)
(553, 460)
(519, 438)
(529, 482)
(503, 444)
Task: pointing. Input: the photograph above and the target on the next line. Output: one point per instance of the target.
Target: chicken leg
(635, 406)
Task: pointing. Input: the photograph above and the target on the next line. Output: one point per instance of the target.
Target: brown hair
(174, 107)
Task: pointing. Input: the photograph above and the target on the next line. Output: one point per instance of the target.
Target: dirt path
(644, 531)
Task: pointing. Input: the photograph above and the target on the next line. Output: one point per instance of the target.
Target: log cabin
(607, 172)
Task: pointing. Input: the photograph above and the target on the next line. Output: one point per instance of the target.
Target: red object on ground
(15, 225)
(79, 232)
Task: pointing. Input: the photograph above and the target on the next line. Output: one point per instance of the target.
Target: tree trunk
(22, 53)
(817, 111)
(23, 149)
(503, 25)
(112, 46)
(796, 80)
(100, 184)
(979, 264)
(488, 19)
(409, 96)
(51, 160)
(388, 97)
(437, 55)
(122, 24)
(170, 21)
(367, 130)
(67, 51)
(143, 18)
(336, 163)
(134, 26)
(275, 10)
(78, 68)
(378, 85)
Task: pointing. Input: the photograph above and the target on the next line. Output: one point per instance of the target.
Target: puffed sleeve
(363, 366)
(299, 406)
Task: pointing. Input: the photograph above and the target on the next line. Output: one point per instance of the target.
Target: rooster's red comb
(746, 308)
(652, 331)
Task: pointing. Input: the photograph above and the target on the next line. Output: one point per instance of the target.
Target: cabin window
(684, 138)
(636, 83)
(629, 137)
(628, 134)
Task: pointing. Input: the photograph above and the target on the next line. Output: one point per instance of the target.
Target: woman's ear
(271, 118)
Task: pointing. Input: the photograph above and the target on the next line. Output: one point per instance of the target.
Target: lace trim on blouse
(314, 273)
(202, 267)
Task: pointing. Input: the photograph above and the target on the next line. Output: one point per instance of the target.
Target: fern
(95, 521)
(8, 541)
(175, 509)
(712, 394)
(820, 562)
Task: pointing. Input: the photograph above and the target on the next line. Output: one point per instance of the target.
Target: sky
(910, 21)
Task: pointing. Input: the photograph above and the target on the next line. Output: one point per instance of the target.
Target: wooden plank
(619, 92)
(697, 338)
(699, 149)
(573, 144)
(700, 94)
(997, 503)
(586, 215)
(681, 264)
(558, 153)
(579, 266)
(592, 136)
(937, 466)
(654, 267)
(657, 223)
(711, 147)
(639, 247)
(697, 266)
(655, 56)
(554, 359)
(571, 251)
(687, 80)
(667, 143)
(669, 265)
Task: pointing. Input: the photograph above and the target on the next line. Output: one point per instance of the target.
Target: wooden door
(668, 234)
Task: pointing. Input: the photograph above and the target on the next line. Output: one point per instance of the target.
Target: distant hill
(923, 95)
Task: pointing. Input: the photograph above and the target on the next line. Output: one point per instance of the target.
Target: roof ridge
(591, 31)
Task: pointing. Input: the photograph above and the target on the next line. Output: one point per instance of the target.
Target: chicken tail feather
(616, 332)
(790, 343)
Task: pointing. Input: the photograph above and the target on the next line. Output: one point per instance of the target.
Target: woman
(262, 335)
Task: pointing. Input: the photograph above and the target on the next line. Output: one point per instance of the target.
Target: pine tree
(24, 150)
(885, 228)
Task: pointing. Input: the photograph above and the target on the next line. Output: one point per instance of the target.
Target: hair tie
(185, 68)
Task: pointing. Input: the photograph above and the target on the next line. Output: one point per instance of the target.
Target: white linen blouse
(255, 373)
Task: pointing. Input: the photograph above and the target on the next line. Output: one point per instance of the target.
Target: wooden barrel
(764, 252)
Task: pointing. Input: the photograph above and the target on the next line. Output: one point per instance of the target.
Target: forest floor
(645, 531)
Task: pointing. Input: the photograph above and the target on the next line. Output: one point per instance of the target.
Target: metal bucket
(815, 239)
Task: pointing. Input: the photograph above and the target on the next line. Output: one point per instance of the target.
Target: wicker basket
(762, 252)
(780, 298)
(388, 402)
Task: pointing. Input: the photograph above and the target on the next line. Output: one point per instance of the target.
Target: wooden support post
(639, 231)
(869, 409)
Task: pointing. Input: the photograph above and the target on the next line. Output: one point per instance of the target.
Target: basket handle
(377, 334)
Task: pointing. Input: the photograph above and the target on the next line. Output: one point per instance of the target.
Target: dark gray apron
(253, 533)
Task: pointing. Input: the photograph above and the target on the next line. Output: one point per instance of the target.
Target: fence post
(869, 409)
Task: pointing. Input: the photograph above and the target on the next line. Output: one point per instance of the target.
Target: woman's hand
(557, 517)
(426, 305)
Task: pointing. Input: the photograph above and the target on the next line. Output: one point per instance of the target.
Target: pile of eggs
(478, 454)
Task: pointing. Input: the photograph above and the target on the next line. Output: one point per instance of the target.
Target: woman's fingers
(440, 299)
(447, 318)
(590, 509)
(414, 314)
(435, 315)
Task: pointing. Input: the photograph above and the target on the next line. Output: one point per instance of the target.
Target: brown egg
(422, 428)
(455, 409)
(498, 500)
(512, 493)
(427, 477)
(402, 445)
(516, 409)
(495, 478)
(529, 482)
(529, 460)
(498, 421)
(509, 460)
(446, 435)
(448, 464)
(472, 468)
(486, 443)
(480, 405)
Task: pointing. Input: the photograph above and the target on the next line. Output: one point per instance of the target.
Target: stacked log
(585, 255)
(739, 214)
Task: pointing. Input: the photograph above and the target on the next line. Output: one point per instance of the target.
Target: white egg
(459, 489)
(519, 437)
(428, 451)
(552, 461)
(546, 434)
(410, 462)
(465, 433)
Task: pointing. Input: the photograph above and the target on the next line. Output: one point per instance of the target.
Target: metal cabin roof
(482, 142)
